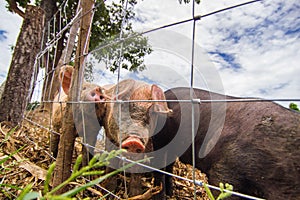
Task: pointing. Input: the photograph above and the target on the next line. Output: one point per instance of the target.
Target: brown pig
(130, 122)
(89, 127)
(255, 146)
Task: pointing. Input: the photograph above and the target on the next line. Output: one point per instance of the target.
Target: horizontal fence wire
(198, 17)
(199, 101)
(52, 43)
(197, 182)
(52, 131)
(125, 159)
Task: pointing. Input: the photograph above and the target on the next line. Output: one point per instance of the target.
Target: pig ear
(65, 76)
(158, 94)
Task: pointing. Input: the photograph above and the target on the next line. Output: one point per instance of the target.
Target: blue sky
(3, 35)
(254, 50)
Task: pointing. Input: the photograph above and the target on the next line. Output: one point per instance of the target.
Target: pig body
(257, 151)
(91, 112)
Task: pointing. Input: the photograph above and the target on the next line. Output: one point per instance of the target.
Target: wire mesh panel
(131, 103)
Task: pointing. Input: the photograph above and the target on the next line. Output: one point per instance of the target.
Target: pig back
(257, 150)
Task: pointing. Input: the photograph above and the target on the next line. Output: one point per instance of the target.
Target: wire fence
(60, 24)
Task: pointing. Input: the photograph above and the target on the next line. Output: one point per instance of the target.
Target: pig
(256, 148)
(137, 118)
(129, 125)
(92, 112)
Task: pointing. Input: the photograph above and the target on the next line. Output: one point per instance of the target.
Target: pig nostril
(126, 148)
(139, 151)
(93, 94)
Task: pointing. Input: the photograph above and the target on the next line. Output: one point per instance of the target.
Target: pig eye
(84, 88)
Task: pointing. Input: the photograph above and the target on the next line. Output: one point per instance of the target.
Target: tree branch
(14, 7)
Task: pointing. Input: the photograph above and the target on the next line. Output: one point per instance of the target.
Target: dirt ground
(30, 159)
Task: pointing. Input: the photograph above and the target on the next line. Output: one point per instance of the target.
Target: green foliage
(128, 53)
(20, 3)
(33, 105)
(109, 21)
(294, 106)
(222, 195)
(4, 168)
(94, 168)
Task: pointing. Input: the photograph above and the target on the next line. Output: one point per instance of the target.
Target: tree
(108, 24)
(135, 46)
(294, 106)
(17, 88)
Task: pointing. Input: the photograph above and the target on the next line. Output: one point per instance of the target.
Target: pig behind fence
(129, 123)
(89, 127)
(257, 149)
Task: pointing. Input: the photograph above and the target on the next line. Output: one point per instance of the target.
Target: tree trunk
(67, 139)
(51, 85)
(17, 88)
(50, 9)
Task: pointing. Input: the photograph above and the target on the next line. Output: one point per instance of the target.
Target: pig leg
(169, 181)
(54, 137)
(165, 181)
(135, 185)
(54, 140)
(111, 183)
(159, 180)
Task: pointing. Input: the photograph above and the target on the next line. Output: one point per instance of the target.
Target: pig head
(130, 122)
(86, 115)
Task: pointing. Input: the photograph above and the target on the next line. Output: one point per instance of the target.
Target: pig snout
(96, 94)
(133, 144)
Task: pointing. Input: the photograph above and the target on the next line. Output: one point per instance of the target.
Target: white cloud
(262, 38)
(256, 35)
(11, 24)
(262, 59)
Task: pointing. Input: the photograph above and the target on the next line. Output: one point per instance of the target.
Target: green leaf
(92, 173)
(77, 163)
(32, 195)
(25, 191)
(48, 178)
(99, 180)
(10, 186)
(10, 155)
(208, 192)
(8, 135)
(294, 106)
